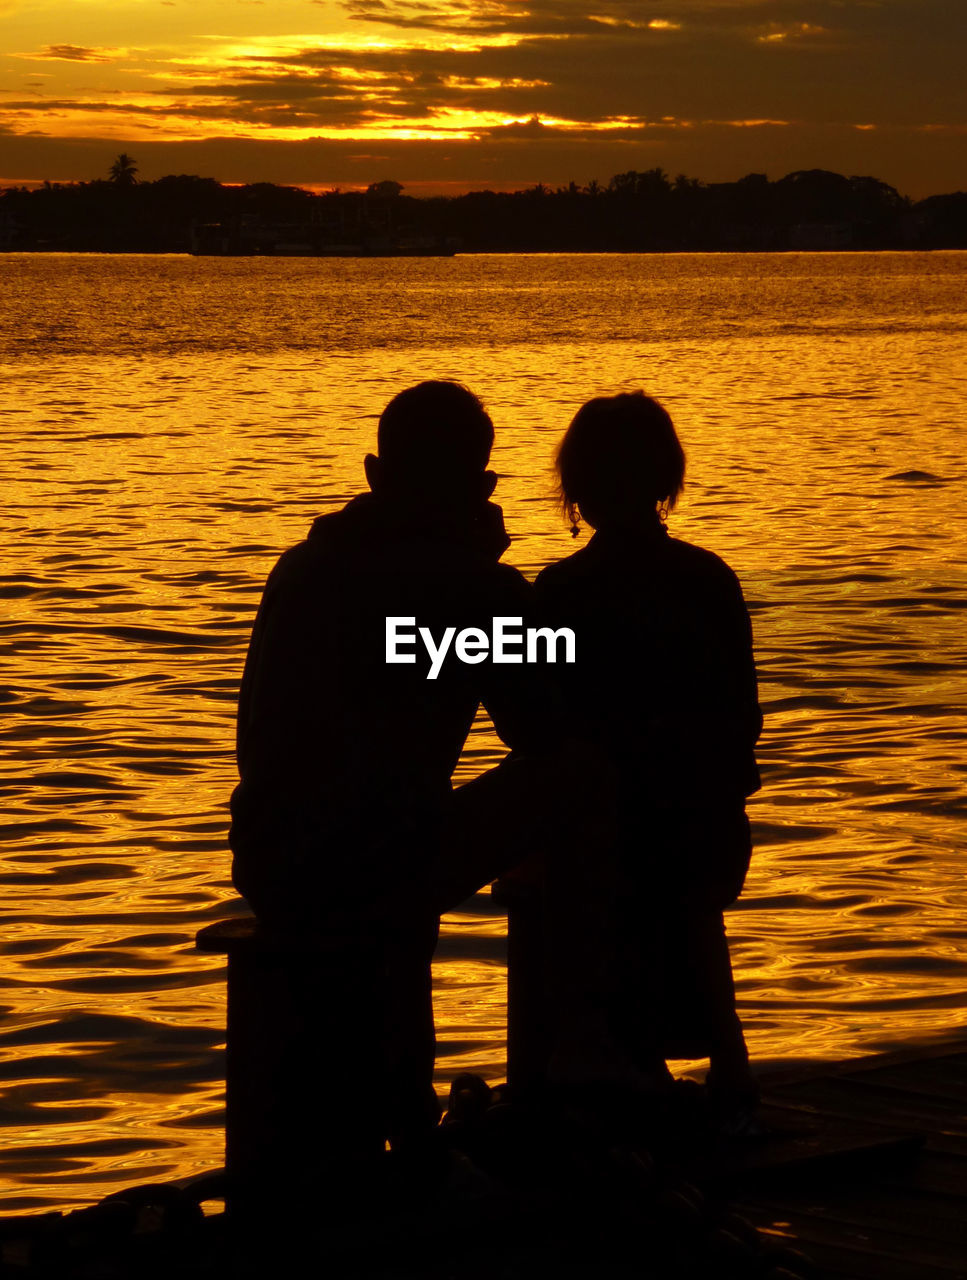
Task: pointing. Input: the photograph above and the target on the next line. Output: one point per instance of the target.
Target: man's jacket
(345, 760)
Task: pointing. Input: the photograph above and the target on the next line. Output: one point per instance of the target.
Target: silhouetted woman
(664, 683)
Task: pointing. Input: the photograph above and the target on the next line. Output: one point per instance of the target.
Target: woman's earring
(575, 528)
(663, 512)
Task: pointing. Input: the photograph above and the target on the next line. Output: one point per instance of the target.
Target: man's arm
(279, 737)
(521, 698)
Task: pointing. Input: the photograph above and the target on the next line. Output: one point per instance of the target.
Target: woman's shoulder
(698, 559)
(703, 574)
(670, 557)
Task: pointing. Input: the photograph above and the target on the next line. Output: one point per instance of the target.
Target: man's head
(434, 442)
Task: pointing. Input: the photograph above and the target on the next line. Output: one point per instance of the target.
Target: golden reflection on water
(151, 487)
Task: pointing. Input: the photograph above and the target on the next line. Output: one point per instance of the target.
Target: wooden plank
(870, 1221)
(852, 1099)
(931, 1200)
(795, 1144)
(912, 1055)
(899, 1221)
(913, 1089)
(845, 1253)
(939, 1174)
(909, 1082)
(939, 1079)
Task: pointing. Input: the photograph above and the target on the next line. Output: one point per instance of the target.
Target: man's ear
(374, 472)
(489, 484)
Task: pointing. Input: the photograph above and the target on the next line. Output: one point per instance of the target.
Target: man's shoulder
(324, 546)
(511, 582)
(295, 564)
(318, 566)
(506, 573)
(494, 588)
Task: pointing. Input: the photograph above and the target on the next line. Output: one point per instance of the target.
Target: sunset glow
(468, 90)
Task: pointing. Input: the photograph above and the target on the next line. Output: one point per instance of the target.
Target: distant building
(9, 229)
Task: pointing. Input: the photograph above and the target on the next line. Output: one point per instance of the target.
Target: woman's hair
(619, 448)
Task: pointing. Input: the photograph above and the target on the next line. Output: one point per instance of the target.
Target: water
(171, 424)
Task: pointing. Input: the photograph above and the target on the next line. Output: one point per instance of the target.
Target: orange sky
(452, 94)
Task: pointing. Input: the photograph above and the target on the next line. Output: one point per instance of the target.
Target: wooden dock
(863, 1165)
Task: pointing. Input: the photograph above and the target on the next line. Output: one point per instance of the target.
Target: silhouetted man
(345, 831)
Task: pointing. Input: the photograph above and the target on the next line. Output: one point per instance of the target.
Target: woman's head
(619, 460)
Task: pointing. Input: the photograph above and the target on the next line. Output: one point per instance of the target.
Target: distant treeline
(634, 212)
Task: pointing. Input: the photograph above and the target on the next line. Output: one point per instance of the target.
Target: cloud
(719, 61)
(545, 17)
(546, 75)
(503, 17)
(77, 53)
(749, 20)
(481, 19)
(910, 160)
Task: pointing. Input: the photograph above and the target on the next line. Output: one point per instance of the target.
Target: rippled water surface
(171, 424)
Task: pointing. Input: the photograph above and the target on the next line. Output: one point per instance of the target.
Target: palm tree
(624, 184)
(124, 170)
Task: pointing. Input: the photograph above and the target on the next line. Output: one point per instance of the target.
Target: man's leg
(408, 1105)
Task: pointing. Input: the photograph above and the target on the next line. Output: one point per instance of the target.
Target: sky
(455, 95)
